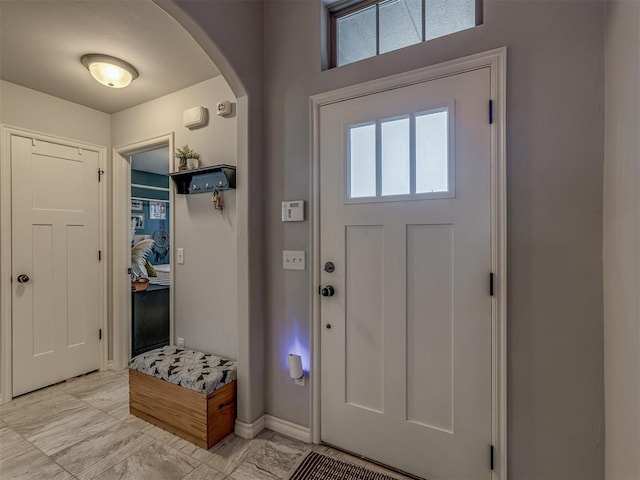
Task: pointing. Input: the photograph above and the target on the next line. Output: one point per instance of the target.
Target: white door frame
(496, 61)
(6, 335)
(121, 284)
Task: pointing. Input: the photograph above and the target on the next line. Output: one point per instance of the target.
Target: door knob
(329, 267)
(22, 278)
(328, 291)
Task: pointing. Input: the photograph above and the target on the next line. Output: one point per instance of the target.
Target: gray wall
(622, 239)
(554, 155)
(205, 286)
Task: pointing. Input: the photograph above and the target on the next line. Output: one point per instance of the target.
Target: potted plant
(188, 158)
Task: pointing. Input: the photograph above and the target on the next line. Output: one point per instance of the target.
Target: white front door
(55, 266)
(405, 217)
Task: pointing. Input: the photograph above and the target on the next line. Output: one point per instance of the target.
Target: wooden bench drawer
(201, 419)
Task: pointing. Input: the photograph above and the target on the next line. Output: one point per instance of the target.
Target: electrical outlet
(180, 342)
(293, 260)
(300, 381)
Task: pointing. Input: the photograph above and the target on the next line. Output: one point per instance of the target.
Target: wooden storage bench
(188, 393)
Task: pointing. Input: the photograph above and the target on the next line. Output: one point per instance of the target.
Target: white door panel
(55, 239)
(364, 319)
(429, 281)
(406, 362)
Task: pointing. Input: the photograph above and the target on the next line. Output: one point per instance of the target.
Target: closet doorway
(143, 248)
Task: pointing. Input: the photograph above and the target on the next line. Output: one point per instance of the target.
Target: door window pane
(396, 176)
(400, 24)
(448, 16)
(356, 36)
(362, 161)
(432, 152)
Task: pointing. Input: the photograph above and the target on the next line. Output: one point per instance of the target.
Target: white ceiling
(41, 43)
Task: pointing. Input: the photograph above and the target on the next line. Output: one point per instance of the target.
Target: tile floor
(81, 429)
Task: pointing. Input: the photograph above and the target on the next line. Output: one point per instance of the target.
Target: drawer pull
(222, 405)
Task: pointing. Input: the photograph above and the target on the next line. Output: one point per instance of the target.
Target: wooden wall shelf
(205, 179)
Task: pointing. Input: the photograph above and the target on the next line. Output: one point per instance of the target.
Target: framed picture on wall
(157, 210)
(136, 205)
(139, 221)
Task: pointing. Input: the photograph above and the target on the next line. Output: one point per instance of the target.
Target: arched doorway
(237, 52)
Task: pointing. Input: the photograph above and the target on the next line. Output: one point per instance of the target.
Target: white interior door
(55, 265)
(405, 216)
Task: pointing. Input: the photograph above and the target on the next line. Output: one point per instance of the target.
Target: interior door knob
(328, 291)
(22, 278)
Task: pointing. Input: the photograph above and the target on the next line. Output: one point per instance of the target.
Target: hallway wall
(206, 285)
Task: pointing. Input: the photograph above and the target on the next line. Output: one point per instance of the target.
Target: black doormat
(321, 467)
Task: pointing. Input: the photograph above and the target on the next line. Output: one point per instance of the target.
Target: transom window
(363, 29)
(401, 156)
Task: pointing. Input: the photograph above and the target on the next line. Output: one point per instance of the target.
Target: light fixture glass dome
(109, 71)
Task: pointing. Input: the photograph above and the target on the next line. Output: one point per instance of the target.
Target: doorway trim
(121, 284)
(6, 250)
(496, 61)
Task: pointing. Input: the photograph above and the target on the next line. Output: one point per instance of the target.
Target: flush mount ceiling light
(109, 71)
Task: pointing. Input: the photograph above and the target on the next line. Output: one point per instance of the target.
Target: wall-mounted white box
(195, 117)
(293, 211)
(224, 108)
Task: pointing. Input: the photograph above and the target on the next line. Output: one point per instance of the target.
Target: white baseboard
(278, 425)
(249, 430)
(290, 429)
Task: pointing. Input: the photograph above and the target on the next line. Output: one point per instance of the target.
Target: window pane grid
(399, 156)
(396, 24)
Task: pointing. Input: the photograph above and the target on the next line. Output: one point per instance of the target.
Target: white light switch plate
(180, 256)
(293, 260)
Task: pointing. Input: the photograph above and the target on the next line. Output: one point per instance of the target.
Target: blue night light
(296, 347)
